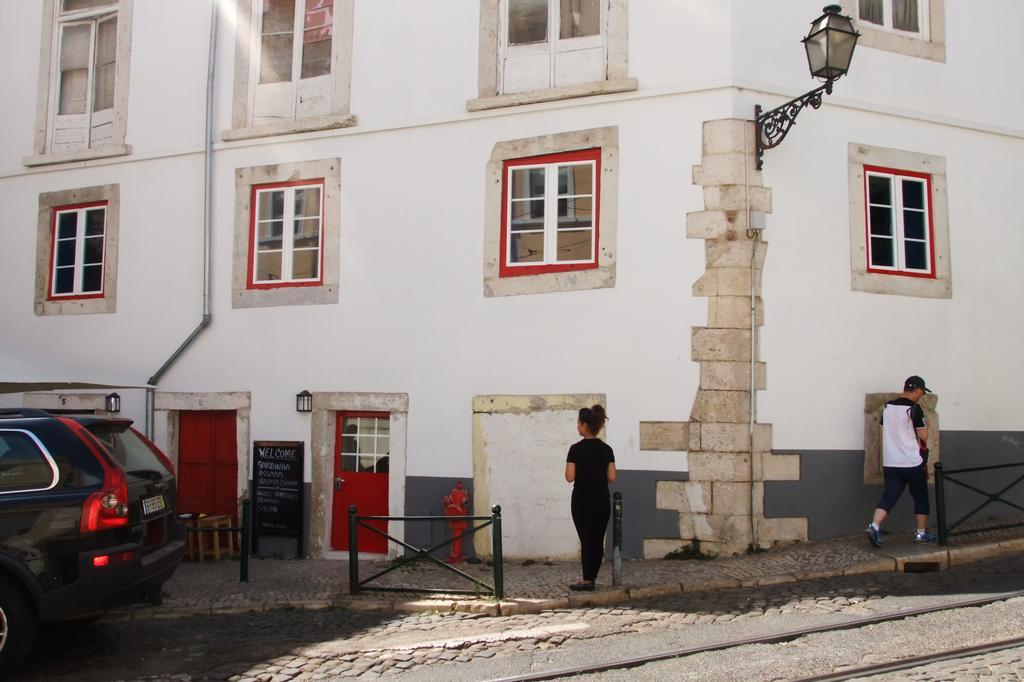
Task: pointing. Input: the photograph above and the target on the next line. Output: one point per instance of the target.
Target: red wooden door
(362, 449)
(207, 463)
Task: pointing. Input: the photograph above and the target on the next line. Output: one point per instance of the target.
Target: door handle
(338, 481)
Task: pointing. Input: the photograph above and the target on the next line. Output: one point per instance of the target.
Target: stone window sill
(553, 94)
(305, 125)
(78, 155)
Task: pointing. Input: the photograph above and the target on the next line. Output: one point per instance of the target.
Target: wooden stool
(192, 542)
(211, 547)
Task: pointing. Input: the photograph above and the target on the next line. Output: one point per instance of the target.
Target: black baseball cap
(915, 382)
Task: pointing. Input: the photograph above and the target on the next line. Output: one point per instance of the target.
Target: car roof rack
(16, 412)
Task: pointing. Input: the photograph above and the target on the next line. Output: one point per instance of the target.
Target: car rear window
(129, 450)
(23, 465)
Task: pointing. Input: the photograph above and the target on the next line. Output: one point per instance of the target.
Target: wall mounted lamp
(304, 402)
(829, 46)
(113, 402)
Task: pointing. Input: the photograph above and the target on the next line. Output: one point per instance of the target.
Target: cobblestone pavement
(290, 644)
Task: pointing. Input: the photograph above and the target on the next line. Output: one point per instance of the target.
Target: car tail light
(107, 508)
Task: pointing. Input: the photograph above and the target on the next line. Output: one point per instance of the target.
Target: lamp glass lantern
(830, 44)
(304, 401)
(113, 402)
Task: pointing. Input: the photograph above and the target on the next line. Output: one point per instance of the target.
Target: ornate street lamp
(829, 46)
(304, 402)
(113, 402)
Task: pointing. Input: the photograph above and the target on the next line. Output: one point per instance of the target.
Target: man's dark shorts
(897, 478)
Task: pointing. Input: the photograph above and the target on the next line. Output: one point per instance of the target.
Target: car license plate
(153, 504)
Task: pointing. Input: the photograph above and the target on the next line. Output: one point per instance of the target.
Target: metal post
(617, 539)
(243, 562)
(353, 551)
(499, 578)
(940, 503)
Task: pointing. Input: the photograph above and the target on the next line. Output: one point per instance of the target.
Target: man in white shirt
(904, 459)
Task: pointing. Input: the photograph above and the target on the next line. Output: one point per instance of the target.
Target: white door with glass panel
(551, 43)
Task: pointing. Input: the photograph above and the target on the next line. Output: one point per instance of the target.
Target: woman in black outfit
(590, 467)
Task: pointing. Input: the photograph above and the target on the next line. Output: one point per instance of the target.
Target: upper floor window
(899, 222)
(292, 66)
(286, 245)
(542, 50)
(79, 240)
(549, 221)
(85, 51)
(901, 16)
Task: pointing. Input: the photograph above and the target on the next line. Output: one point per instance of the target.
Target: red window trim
(931, 274)
(50, 296)
(506, 270)
(319, 281)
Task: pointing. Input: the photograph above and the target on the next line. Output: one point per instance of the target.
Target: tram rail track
(790, 635)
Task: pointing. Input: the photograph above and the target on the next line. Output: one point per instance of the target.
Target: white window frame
(550, 228)
(334, 89)
(79, 258)
(54, 21)
(887, 22)
(898, 212)
(930, 43)
(288, 235)
(492, 43)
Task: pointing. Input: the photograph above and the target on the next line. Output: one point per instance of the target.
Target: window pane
(94, 219)
(913, 194)
(66, 252)
(871, 10)
(67, 225)
(904, 15)
(528, 215)
(316, 38)
(882, 252)
(881, 220)
(527, 248)
(106, 55)
(579, 18)
(268, 266)
(348, 463)
(913, 224)
(384, 426)
(22, 465)
(76, 5)
(366, 424)
(307, 233)
(93, 250)
(270, 235)
(277, 41)
(577, 179)
(575, 212)
(307, 202)
(64, 281)
(527, 21)
(271, 205)
(574, 245)
(382, 465)
(879, 190)
(74, 68)
(306, 264)
(527, 182)
(92, 278)
(916, 254)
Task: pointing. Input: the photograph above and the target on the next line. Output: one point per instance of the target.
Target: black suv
(86, 521)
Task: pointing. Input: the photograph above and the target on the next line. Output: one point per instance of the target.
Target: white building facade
(455, 223)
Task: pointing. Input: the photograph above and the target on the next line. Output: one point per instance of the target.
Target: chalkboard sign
(277, 479)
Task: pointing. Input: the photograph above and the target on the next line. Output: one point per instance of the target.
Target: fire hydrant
(455, 504)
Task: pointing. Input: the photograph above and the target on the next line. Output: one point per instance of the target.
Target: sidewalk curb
(884, 563)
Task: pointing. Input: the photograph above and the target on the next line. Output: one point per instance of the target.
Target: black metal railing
(942, 477)
(355, 522)
(245, 530)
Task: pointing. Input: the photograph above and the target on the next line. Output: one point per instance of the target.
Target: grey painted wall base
(423, 496)
(831, 492)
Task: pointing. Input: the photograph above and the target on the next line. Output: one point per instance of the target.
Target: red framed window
(364, 441)
(549, 216)
(286, 235)
(900, 230)
(79, 248)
